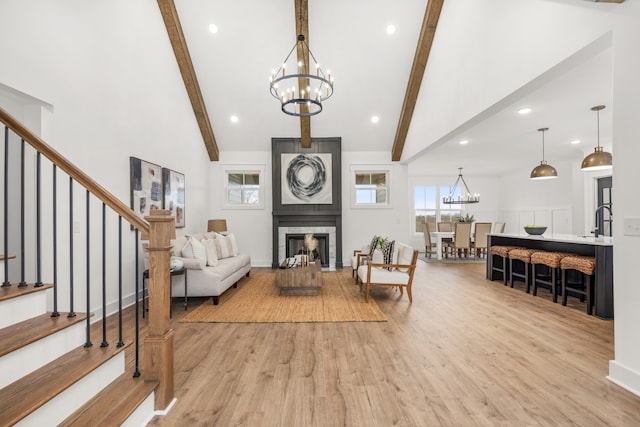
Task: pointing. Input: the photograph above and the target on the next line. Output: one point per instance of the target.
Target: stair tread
(28, 331)
(19, 399)
(14, 290)
(114, 404)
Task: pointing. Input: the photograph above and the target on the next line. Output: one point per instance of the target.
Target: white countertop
(565, 238)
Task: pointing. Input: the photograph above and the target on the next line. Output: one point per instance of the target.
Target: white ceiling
(371, 70)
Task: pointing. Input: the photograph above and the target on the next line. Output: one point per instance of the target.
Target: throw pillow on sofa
(226, 246)
(193, 249)
(212, 254)
(377, 258)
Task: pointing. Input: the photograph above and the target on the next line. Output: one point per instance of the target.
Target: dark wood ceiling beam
(302, 27)
(429, 24)
(179, 44)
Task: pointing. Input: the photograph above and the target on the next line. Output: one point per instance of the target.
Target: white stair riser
(58, 409)
(143, 413)
(16, 310)
(35, 355)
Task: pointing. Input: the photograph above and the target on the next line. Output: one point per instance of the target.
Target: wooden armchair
(398, 274)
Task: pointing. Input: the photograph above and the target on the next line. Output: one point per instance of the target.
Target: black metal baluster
(6, 208)
(38, 235)
(22, 254)
(71, 312)
(88, 267)
(120, 340)
(136, 373)
(55, 312)
(104, 277)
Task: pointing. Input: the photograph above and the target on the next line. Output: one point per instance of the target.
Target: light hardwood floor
(467, 352)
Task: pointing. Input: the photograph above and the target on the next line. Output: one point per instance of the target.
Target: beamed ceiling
(376, 74)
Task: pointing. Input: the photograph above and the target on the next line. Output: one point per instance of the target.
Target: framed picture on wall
(306, 178)
(146, 186)
(174, 195)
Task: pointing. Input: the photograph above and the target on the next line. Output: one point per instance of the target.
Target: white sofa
(204, 279)
(399, 272)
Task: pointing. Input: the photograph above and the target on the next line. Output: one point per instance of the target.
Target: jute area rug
(257, 300)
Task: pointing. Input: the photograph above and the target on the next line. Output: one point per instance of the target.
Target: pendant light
(599, 159)
(543, 170)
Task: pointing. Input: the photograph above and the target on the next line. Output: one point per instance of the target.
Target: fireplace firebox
(295, 245)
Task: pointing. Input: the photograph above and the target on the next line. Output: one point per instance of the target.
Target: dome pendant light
(599, 159)
(543, 170)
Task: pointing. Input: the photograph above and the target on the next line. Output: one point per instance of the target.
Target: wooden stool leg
(564, 287)
(588, 290)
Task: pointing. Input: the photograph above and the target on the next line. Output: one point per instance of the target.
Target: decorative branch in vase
(311, 245)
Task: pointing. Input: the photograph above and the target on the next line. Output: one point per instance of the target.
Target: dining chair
(499, 227)
(461, 240)
(445, 226)
(428, 244)
(480, 233)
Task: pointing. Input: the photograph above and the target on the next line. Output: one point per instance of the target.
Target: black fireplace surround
(305, 214)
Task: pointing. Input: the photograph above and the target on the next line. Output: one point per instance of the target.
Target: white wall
(252, 227)
(109, 73)
(625, 369)
(548, 203)
(360, 224)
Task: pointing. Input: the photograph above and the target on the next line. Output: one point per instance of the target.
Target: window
(370, 188)
(428, 206)
(244, 189)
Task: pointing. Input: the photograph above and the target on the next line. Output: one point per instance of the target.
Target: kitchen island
(601, 248)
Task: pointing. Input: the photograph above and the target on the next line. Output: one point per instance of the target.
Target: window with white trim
(244, 188)
(370, 188)
(428, 206)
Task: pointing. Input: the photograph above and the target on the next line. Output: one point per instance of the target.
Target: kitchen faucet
(596, 231)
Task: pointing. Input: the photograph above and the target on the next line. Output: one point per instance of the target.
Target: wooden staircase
(49, 377)
(61, 368)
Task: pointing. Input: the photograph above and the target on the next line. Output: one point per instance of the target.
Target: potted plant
(466, 218)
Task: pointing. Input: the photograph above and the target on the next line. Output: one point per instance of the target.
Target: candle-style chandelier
(301, 85)
(458, 195)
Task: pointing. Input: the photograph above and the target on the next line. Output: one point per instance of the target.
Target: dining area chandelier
(300, 84)
(458, 194)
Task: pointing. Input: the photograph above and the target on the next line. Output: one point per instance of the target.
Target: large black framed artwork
(306, 178)
(173, 183)
(146, 186)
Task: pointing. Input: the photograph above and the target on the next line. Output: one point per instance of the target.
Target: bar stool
(523, 255)
(585, 265)
(550, 260)
(503, 253)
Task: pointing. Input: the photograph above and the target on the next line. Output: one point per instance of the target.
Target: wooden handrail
(74, 172)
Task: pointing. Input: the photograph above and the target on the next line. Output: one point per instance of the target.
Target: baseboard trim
(624, 377)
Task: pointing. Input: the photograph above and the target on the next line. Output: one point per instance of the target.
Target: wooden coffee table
(300, 280)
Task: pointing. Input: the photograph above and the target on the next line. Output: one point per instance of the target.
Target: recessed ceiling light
(576, 141)
(525, 110)
(234, 119)
(391, 29)
(213, 28)
(375, 119)
(464, 142)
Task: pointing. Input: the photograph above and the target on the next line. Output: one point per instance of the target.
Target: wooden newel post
(158, 345)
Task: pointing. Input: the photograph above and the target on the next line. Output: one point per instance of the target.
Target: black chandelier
(463, 196)
(302, 91)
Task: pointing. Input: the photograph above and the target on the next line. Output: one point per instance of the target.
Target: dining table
(438, 236)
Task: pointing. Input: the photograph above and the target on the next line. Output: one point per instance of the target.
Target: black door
(604, 199)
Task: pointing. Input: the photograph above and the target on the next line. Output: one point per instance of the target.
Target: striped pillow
(387, 252)
(373, 245)
(226, 246)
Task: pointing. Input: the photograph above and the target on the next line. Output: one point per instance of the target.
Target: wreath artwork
(306, 179)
